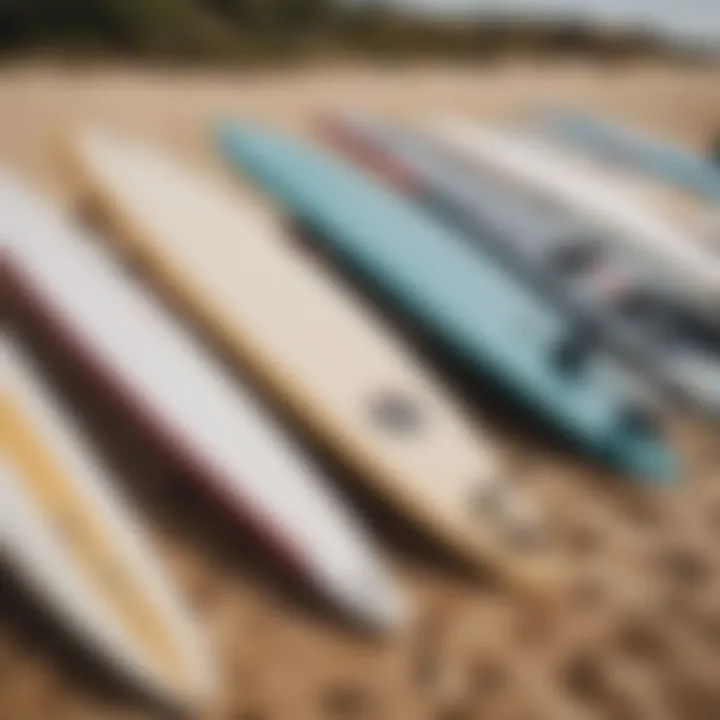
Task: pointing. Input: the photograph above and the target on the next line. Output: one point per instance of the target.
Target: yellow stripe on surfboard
(47, 479)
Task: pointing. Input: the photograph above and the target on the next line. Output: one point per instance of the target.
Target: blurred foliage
(280, 29)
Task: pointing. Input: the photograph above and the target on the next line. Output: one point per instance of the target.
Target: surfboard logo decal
(396, 413)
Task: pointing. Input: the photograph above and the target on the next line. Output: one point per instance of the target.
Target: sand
(635, 635)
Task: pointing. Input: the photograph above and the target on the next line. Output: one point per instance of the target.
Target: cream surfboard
(70, 538)
(611, 202)
(323, 354)
(136, 352)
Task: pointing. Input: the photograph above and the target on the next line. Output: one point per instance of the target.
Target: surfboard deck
(634, 150)
(198, 415)
(532, 237)
(613, 204)
(696, 216)
(72, 539)
(335, 365)
(473, 308)
(668, 180)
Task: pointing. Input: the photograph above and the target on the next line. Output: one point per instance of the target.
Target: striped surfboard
(70, 538)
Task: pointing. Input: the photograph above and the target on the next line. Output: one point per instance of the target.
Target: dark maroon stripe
(35, 308)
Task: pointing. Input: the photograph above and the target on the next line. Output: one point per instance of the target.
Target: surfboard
(671, 253)
(697, 217)
(71, 539)
(634, 149)
(330, 361)
(193, 409)
(678, 184)
(467, 302)
(559, 255)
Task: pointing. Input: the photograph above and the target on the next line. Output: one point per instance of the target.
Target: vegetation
(244, 30)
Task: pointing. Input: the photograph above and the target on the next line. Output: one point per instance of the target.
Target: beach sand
(637, 633)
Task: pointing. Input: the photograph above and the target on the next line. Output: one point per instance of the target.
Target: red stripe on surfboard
(355, 146)
(36, 308)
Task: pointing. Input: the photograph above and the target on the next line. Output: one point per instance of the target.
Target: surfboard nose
(371, 598)
(195, 684)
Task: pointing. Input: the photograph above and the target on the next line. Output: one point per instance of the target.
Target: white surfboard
(80, 297)
(320, 351)
(71, 539)
(697, 216)
(610, 202)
